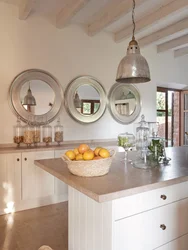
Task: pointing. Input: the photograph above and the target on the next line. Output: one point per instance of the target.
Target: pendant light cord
(133, 14)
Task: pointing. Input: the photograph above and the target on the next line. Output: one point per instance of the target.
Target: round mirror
(85, 99)
(40, 106)
(35, 96)
(124, 102)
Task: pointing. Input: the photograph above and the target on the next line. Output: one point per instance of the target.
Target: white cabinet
(26, 185)
(152, 220)
(35, 181)
(60, 187)
(138, 203)
(10, 180)
(178, 244)
(152, 228)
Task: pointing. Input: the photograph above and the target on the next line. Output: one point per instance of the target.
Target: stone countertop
(11, 148)
(123, 180)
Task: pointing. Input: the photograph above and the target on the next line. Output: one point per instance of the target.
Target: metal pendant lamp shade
(133, 68)
(77, 101)
(29, 99)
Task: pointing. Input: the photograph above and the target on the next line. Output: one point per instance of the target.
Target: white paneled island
(128, 209)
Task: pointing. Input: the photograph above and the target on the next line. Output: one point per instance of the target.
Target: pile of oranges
(85, 153)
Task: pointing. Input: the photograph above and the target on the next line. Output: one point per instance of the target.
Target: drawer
(138, 203)
(178, 244)
(151, 229)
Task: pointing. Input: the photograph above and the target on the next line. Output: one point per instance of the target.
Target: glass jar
(18, 132)
(47, 134)
(142, 135)
(28, 134)
(153, 129)
(58, 132)
(36, 134)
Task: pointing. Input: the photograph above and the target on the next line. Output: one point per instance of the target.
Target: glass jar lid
(143, 125)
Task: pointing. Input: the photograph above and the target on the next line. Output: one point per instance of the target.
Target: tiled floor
(30, 229)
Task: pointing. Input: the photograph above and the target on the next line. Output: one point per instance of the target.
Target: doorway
(168, 115)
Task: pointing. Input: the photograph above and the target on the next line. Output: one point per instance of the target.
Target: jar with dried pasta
(28, 135)
(36, 135)
(58, 132)
(47, 134)
(18, 132)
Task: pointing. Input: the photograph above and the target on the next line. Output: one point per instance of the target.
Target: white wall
(68, 53)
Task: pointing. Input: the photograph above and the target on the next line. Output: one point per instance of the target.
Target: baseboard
(38, 202)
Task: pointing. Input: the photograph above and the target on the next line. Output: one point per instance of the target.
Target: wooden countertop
(123, 180)
(12, 148)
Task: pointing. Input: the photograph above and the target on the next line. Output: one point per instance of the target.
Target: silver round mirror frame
(14, 96)
(124, 119)
(69, 99)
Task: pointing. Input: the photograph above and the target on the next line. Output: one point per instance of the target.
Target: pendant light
(133, 68)
(29, 99)
(77, 101)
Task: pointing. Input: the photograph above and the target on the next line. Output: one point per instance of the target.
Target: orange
(76, 151)
(90, 150)
(97, 158)
(79, 157)
(104, 153)
(83, 148)
(70, 154)
(96, 151)
(88, 155)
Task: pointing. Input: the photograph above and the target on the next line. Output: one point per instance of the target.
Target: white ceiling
(50, 8)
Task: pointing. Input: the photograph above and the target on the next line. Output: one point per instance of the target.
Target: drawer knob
(18, 159)
(162, 226)
(25, 159)
(163, 197)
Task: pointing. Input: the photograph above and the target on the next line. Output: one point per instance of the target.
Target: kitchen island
(128, 209)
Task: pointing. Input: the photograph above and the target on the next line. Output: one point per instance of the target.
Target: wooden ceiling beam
(172, 44)
(181, 52)
(25, 8)
(152, 18)
(110, 13)
(165, 32)
(68, 11)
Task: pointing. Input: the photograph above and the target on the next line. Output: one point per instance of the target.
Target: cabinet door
(10, 180)
(60, 187)
(178, 244)
(36, 182)
(151, 229)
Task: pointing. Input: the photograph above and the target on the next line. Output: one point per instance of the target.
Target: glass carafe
(58, 132)
(18, 132)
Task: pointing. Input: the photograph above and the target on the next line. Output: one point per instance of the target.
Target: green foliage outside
(161, 104)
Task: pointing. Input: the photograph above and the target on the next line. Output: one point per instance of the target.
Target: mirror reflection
(37, 97)
(125, 101)
(87, 100)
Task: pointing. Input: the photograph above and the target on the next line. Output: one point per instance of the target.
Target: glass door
(168, 115)
(184, 115)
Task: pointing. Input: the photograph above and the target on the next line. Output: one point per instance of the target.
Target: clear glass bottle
(18, 132)
(28, 134)
(36, 134)
(47, 134)
(58, 132)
